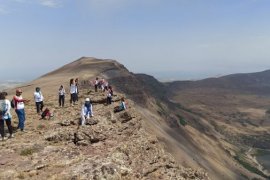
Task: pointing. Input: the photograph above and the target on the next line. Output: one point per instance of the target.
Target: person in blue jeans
(19, 108)
(87, 111)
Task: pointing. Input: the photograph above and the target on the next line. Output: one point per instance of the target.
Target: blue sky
(180, 39)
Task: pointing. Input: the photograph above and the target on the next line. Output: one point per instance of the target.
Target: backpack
(12, 103)
(2, 107)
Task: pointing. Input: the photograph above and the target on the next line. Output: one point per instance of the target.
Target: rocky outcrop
(128, 152)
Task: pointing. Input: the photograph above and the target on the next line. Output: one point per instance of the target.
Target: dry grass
(253, 112)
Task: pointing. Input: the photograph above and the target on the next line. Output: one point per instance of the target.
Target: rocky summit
(110, 145)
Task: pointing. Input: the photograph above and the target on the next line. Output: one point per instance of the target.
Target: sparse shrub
(248, 166)
(268, 111)
(161, 110)
(27, 152)
(21, 176)
(262, 152)
(41, 126)
(182, 120)
(50, 104)
(160, 106)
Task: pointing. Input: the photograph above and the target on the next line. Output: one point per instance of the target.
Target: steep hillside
(237, 108)
(110, 146)
(189, 143)
(165, 118)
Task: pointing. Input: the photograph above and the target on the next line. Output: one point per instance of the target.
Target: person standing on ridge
(110, 89)
(19, 108)
(102, 84)
(77, 89)
(73, 92)
(109, 96)
(96, 84)
(61, 93)
(39, 100)
(106, 85)
(5, 115)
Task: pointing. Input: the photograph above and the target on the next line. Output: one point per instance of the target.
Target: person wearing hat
(39, 100)
(19, 108)
(87, 111)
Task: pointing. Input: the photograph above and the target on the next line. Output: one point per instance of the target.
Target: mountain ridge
(185, 125)
(110, 146)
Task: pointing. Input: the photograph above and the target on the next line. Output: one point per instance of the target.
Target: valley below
(242, 119)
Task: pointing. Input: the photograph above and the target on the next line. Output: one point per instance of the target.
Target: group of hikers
(18, 103)
(5, 115)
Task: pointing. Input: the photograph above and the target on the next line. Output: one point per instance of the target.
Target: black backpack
(12, 103)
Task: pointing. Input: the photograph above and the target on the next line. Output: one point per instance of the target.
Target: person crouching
(46, 114)
(87, 111)
(121, 107)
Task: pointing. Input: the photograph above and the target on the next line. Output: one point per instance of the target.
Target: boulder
(65, 123)
(91, 121)
(126, 116)
(59, 135)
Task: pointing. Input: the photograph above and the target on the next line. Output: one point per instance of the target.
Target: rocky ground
(110, 146)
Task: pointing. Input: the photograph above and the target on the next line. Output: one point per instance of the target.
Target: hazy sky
(188, 38)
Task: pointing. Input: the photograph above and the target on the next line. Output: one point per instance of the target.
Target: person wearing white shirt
(5, 115)
(73, 92)
(86, 111)
(39, 100)
(19, 108)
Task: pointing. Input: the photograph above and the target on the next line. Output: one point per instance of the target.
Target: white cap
(87, 99)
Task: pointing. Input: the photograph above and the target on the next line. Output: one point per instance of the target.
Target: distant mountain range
(258, 83)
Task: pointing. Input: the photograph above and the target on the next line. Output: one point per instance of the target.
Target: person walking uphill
(5, 115)
(19, 108)
(39, 100)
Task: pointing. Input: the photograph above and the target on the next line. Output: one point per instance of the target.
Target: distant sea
(8, 84)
